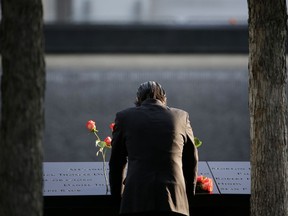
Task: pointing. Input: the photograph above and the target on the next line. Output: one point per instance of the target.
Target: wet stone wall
(217, 101)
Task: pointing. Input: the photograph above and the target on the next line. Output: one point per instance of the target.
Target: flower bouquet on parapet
(204, 184)
(102, 145)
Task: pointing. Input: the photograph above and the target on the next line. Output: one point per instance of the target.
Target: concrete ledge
(148, 61)
(68, 195)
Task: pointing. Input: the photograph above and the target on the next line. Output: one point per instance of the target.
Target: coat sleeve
(190, 161)
(117, 162)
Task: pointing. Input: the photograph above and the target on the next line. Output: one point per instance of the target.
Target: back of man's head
(152, 90)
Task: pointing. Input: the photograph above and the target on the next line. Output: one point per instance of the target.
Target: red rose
(112, 126)
(204, 183)
(91, 126)
(108, 140)
(208, 185)
(200, 178)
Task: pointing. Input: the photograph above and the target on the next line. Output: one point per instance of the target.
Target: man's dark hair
(152, 90)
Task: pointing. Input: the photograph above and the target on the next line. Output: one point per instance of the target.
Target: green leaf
(101, 144)
(197, 142)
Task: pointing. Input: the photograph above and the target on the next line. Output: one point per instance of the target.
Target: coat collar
(150, 101)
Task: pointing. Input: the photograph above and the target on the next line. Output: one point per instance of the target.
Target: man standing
(158, 143)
